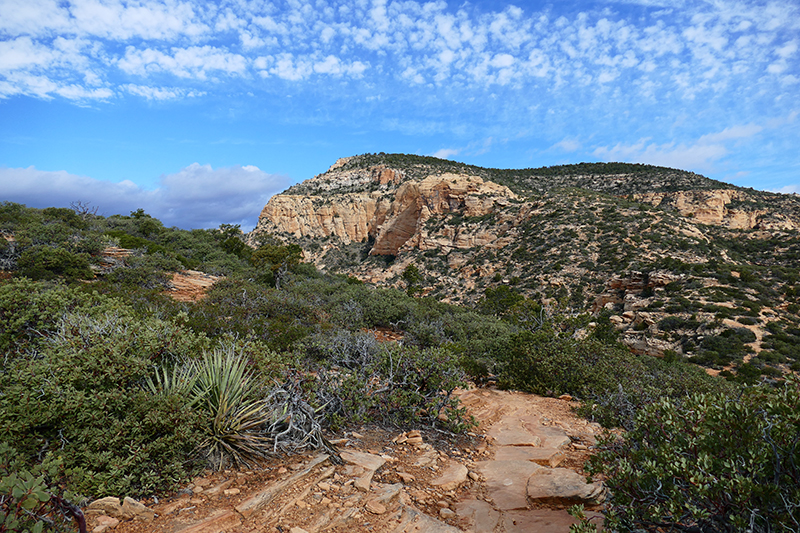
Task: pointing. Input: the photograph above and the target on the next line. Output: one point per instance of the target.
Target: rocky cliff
(732, 208)
(391, 213)
(638, 243)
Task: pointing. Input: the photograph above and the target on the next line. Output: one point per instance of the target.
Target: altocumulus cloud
(197, 196)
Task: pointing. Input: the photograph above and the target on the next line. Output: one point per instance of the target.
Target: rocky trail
(518, 473)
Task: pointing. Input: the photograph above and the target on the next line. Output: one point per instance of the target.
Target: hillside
(682, 263)
(138, 357)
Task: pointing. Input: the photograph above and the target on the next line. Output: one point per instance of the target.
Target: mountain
(680, 263)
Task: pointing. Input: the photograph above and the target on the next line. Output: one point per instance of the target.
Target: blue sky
(199, 111)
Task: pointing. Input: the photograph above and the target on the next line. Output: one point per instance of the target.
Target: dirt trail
(517, 473)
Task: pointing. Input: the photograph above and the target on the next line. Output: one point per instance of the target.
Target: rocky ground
(518, 472)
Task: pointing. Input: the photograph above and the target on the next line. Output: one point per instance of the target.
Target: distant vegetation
(110, 387)
(537, 180)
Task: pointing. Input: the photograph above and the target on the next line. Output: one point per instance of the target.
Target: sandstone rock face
(393, 214)
(713, 207)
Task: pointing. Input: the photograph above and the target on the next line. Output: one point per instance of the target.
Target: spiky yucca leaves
(231, 395)
(178, 381)
(246, 421)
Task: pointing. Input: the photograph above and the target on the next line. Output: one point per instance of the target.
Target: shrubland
(109, 387)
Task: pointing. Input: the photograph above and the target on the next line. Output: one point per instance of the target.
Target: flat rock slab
(551, 457)
(477, 516)
(413, 520)
(427, 458)
(552, 437)
(221, 521)
(563, 487)
(367, 461)
(385, 494)
(452, 477)
(514, 431)
(506, 482)
(540, 521)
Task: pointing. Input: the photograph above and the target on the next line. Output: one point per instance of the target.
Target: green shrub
(74, 393)
(397, 385)
(146, 271)
(30, 499)
(708, 462)
(47, 262)
(613, 383)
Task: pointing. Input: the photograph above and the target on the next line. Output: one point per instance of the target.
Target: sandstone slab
(221, 521)
(515, 431)
(563, 487)
(506, 482)
(452, 477)
(367, 461)
(540, 521)
(552, 437)
(542, 456)
(413, 520)
(477, 516)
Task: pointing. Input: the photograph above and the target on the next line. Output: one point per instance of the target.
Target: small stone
(137, 510)
(565, 397)
(282, 470)
(324, 486)
(453, 477)
(474, 476)
(107, 521)
(414, 440)
(231, 492)
(442, 504)
(357, 435)
(447, 513)
(325, 501)
(413, 433)
(375, 507)
(297, 530)
(405, 477)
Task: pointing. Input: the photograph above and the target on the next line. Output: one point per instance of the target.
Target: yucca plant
(245, 421)
(180, 380)
(231, 395)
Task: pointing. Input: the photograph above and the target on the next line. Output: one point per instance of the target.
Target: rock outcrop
(392, 216)
(732, 208)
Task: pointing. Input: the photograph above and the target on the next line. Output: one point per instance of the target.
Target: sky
(199, 111)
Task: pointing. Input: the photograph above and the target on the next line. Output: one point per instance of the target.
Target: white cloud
(788, 189)
(197, 196)
(446, 153)
(192, 62)
(568, 145)
(161, 93)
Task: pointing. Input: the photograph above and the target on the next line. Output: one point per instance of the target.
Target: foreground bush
(613, 383)
(708, 463)
(362, 381)
(71, 391)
